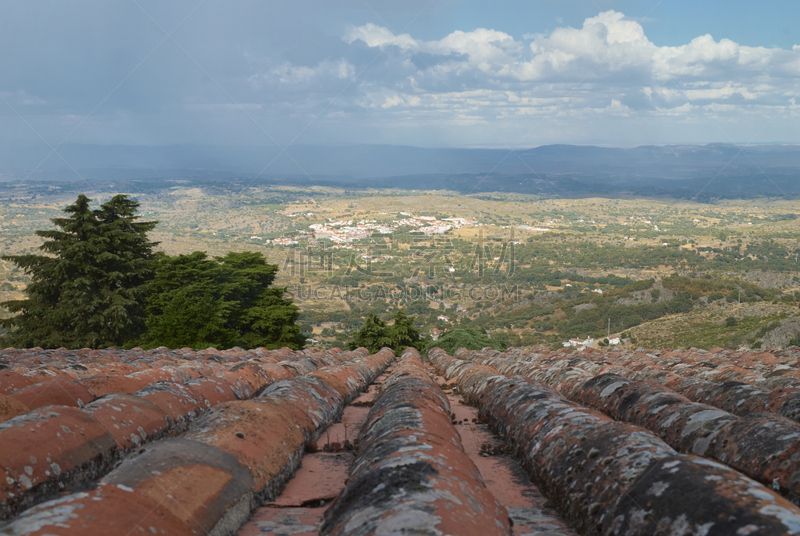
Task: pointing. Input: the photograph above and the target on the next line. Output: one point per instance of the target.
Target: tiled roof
(72, 440)
(615, 478)
(411, 471)
(97, 442)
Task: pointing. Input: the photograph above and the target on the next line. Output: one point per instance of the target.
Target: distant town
(348, 231)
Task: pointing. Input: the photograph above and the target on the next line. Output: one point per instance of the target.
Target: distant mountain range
(686, 171)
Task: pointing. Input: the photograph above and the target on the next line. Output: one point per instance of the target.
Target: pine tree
(185, 306)
(375, 334)
(403, 333)
(126, 263)
(86, 290)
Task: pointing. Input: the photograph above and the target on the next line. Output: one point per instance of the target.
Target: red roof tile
(213, 390)
(109, 509)
(178, 401)
(608, 475)
(198, 484)
(412, 473)
(263, 436)
(54, 392)
(47, 445)
(130, 420)
(11, 381)
(195, 485)
(10, 408)
(106, 384)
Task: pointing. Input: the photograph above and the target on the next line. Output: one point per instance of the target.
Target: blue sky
(441, 73)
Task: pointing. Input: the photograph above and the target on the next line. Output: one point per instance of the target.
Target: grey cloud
(317, 67)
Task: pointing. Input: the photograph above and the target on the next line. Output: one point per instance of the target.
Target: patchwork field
(529, 270)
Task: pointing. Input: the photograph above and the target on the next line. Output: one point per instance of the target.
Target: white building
(578, 343)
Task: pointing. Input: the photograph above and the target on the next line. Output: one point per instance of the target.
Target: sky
(430, 73)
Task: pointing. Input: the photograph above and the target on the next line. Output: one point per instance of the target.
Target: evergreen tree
(469, 338)
(222, 302)
(403, 333)
(375, 334)
(86, 290)
(126, 262)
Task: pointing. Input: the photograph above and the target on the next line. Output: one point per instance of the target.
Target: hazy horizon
(439, 74)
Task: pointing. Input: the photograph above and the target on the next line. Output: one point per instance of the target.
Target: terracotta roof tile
(11, 407)
(130, 420)
(213, 390)
(263, 436)
(744, 443)
(154, 375)
(611, 477)
(689, 495)
(198, 484)
(107, 510)
(42, 374)
(275, 372)
(412, 473)
(106, 384)
(11, 381)
(239, 439)
(54, 392)
(765, 447)
(785, 402)
(46, 446)
(178, 401)
(307, 396)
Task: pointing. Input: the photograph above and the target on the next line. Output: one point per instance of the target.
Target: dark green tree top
(469, 338)
(86, 291)
(403, 333)
(228, 301)
(375, 334)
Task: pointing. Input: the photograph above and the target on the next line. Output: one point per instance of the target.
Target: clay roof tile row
(127, 421)
(411, 474)
(615, 478)
(667, 369)
(208, 480)
(742, 442)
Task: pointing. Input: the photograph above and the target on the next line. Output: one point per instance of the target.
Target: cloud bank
(607, 66)
(269, 73)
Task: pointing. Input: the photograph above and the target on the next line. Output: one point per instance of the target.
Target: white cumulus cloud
(608, 64)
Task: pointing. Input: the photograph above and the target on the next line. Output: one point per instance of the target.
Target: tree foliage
(99, 284)
(375, 334)
(469, 338)
(87, 289)
(227, 301)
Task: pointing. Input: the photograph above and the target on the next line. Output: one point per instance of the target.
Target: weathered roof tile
(263, 436)
(107, 510)
(130, 420)
(197, 483)
(45, 447)
(11, 381)
(615, 478)
(54, 392)
(412, 474)
(178, 401)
